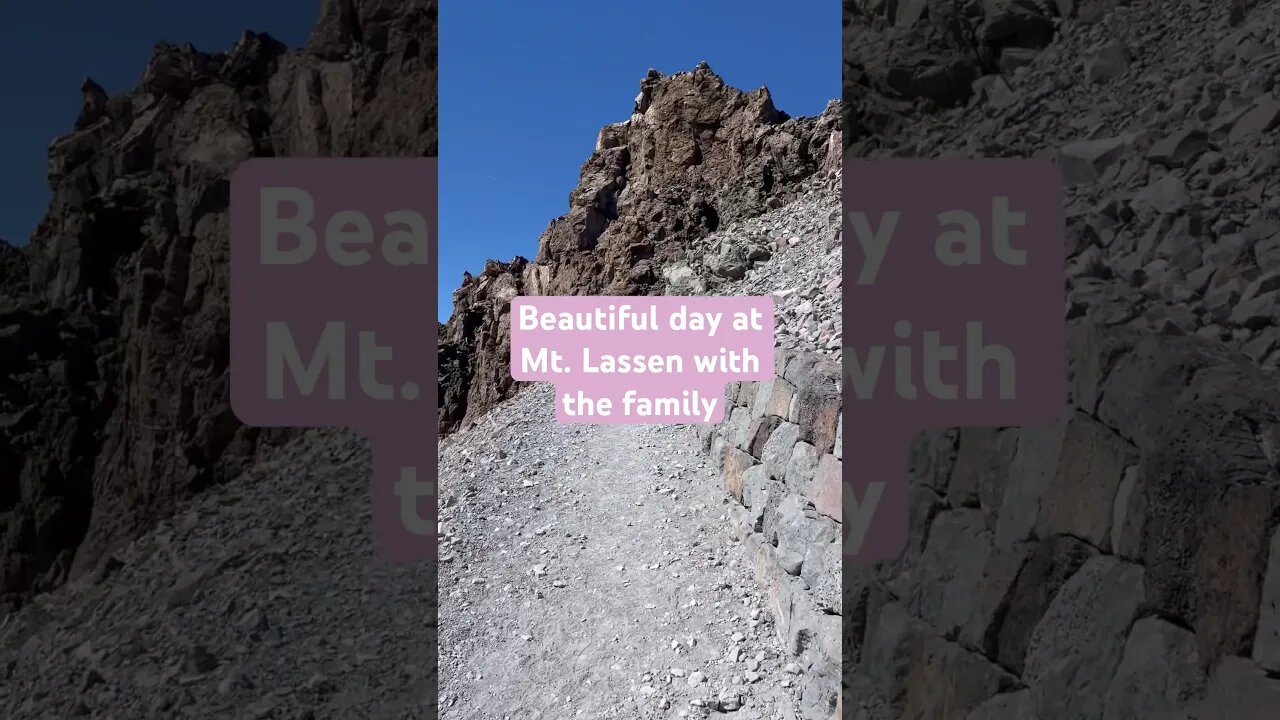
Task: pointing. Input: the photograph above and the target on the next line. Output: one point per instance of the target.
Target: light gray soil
(590, 574)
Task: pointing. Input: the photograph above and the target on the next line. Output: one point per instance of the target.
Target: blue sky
(524, 88)
(48, 47)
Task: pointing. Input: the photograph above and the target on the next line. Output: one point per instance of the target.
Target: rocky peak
(694, 155)
(93, 103)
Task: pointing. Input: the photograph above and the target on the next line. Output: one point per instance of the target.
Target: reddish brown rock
(818, 398)
(1209, 495)
(780, 399)
(826, 491)
(758, 434)
(735, 461)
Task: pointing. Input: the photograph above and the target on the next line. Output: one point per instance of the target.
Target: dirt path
(591, 574)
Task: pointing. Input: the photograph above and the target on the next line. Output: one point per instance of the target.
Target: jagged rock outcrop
(694, 155)
(114, 322)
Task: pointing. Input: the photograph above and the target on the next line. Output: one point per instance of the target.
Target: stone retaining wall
(1121, 564)
(779, 451)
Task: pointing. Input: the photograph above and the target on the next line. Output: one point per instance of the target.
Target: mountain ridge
(694, 155)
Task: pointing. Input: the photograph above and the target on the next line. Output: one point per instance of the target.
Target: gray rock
(1030, 474)
(951, 568)
(1080, 499)
(1179, 149)
(1262, 117)
(981, 468)
(1017, 705)
(1085, 161)
(1255, 313)
(1160, 672)
(1266, 644)
(887, 652)
(1079, 642)
(1108, 62)
(802, 466)
(1127, 516)
(800, 527)
(735, 429)
(777, 451)
(1238, 689)
(993, 90)
(761, 401)
(970, 680)
(1166, 195)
